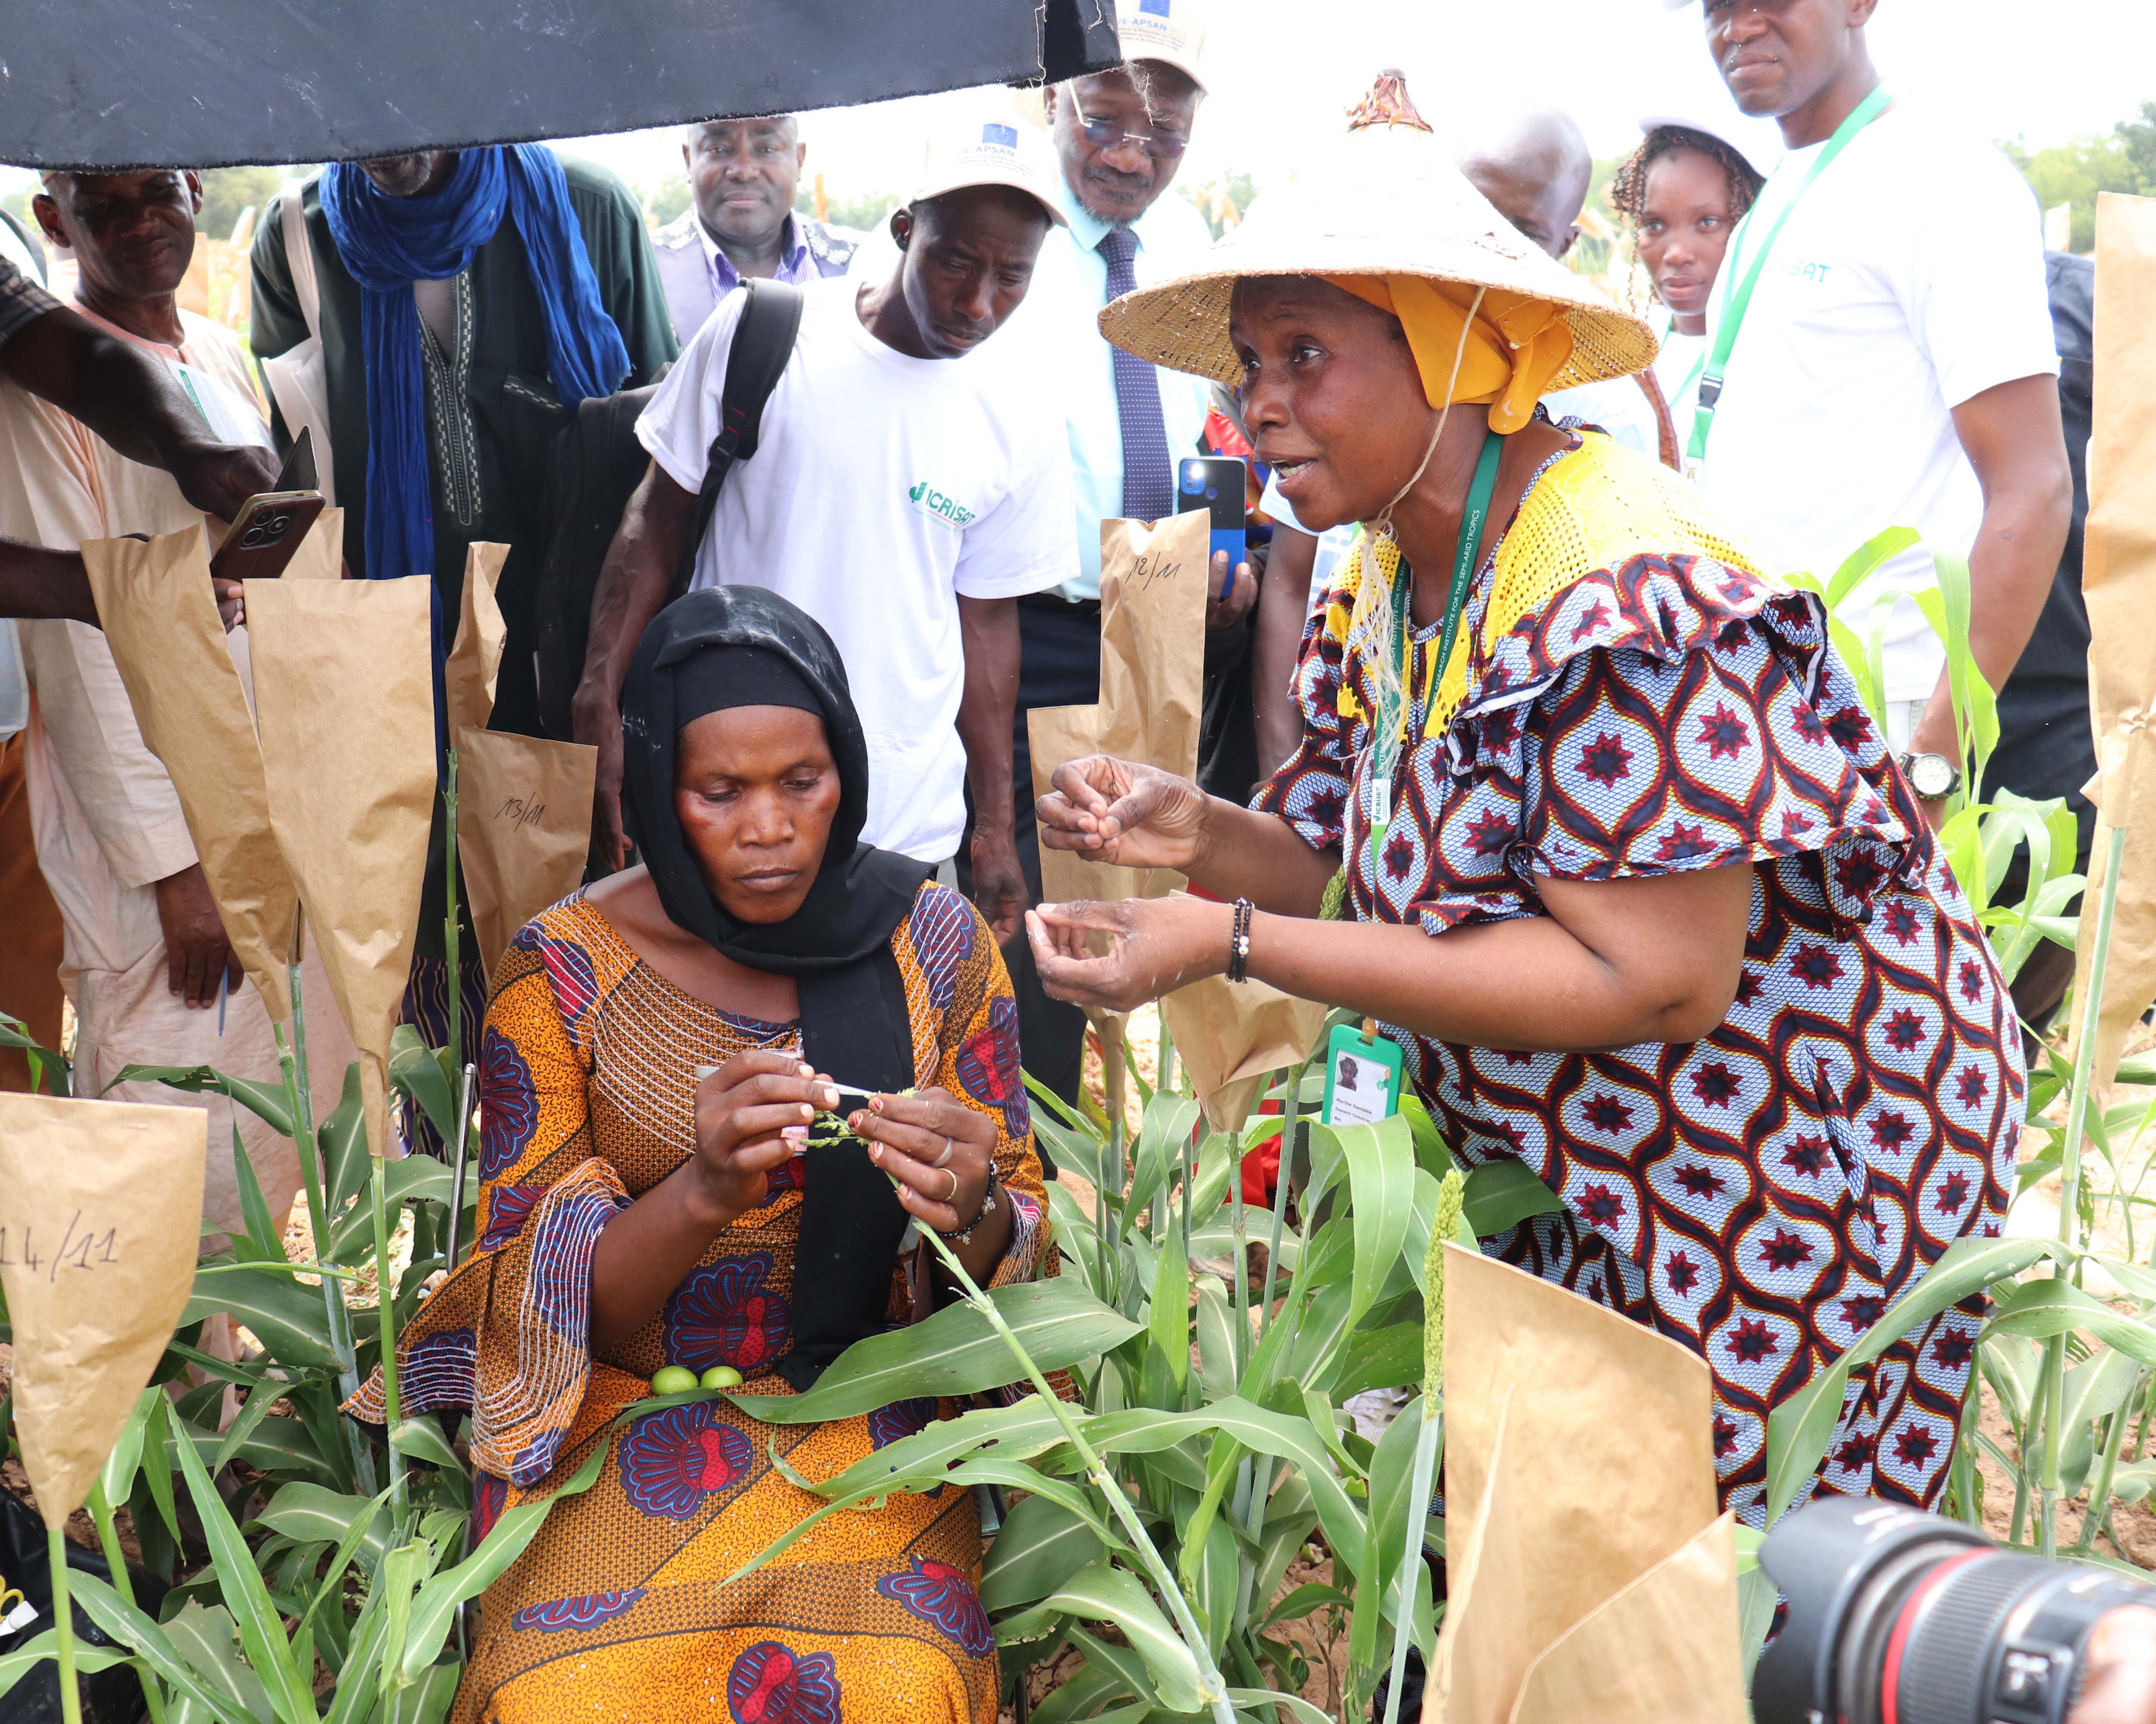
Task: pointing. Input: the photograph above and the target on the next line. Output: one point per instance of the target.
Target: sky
(1280, 70)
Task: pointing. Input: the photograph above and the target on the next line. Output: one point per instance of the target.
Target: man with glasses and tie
(1120, 136)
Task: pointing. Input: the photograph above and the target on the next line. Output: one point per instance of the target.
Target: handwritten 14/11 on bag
(79, 1247)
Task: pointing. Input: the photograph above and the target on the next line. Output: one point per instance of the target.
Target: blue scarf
(389, 243)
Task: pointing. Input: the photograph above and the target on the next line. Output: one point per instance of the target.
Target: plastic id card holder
(1361, 1077)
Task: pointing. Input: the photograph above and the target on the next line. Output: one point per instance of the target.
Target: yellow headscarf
(1506, 354)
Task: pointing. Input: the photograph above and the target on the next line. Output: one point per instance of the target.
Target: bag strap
(762, 343)
(299, 254)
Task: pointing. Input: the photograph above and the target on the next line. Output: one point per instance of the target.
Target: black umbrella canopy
(120, 84)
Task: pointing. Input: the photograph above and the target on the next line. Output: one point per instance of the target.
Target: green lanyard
(1737, 298)
(1391, 727)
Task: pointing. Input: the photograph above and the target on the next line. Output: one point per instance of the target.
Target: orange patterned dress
(618, 1609)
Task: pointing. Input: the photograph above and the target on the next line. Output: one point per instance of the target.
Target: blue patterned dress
(1640, 700)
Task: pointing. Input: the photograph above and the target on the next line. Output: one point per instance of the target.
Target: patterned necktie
(1148, 488)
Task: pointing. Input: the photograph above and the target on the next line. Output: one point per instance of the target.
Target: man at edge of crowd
(741, 221)
(128, 398)
(1894, 365)
(905, 491)
(145, 962)
(1120, 136)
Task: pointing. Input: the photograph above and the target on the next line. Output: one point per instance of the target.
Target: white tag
(21, 1617)
(1381, 802)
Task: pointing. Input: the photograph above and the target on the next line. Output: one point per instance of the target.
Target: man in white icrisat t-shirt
(1895, 366)
(905, 489)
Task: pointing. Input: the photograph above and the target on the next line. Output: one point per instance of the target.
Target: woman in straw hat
(1626, 869)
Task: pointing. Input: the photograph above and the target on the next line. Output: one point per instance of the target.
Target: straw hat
(1383, 200)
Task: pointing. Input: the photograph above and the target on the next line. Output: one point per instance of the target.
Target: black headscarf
(854, 1024)
(861, 894)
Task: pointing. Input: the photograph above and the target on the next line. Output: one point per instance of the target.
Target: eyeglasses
(1106, 135)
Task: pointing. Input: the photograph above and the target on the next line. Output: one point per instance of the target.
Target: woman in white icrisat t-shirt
(1683, 191)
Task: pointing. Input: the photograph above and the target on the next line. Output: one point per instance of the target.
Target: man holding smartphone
(145, 962)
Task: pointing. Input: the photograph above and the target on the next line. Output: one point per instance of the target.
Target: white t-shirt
(1909, 280)
(1678, 370)
(883, 487)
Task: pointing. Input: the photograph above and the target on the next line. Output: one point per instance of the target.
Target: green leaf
(1170, 1324)
(1503, 1193)
(125, 1459)
(421, 1438)
(283, 1447)
(1798, 1430)
(1390, 1358)
(207, 1637)
(427, 1700)
(122, 1622)
(46, 1064)
(285, 1317)
(342, 1138)
(265, 1102)
(307, 1514)
(435, 1609)
(2050, 1307)
(1874, 554)
(1216, 1338)
(1381, 1169)
(261, 1630)
(1165, 1127)
(89, 1660)
(1102, 1592)
(954, 1353)
(259, 1401)
(416, 1072)
(413, 1179)
(262, 1235)
(1041, 1545)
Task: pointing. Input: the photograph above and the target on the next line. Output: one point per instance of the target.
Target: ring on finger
(944, 1159)
(953, 1174)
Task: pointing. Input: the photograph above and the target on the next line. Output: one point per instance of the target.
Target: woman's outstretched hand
(937, 1149)
(1119, 811)
(1155, 946)
(751, 1114)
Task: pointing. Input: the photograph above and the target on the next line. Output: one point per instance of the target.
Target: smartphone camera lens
(1193, 479)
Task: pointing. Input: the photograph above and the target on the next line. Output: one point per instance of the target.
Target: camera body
(1899, 1617)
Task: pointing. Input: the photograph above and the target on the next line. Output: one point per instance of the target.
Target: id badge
(1362, 1078)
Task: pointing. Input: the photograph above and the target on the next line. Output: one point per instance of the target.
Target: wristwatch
(1932, 777)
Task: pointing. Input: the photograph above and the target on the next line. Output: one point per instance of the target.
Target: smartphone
(1216, 483)
(268, 528)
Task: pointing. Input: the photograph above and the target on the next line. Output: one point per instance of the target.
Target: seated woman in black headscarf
(655, 1051)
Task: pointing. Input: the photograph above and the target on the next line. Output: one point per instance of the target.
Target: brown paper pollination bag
(161, 621)
(97, 1202)
(474, 667)
(343, 686)
(1572, 1538)
(2118, 581)
(524, 829)
(320, 555)
(1232, 1036)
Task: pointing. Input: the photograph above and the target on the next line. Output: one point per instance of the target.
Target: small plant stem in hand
(115, 1559)
(1212, 1688)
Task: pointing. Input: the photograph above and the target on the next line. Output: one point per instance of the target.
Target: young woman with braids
(1683, 191)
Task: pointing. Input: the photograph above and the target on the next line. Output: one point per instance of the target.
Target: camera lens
(1898, 1617)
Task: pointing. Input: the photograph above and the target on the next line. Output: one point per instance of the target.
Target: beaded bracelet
(965, 1235)
(1239, 942)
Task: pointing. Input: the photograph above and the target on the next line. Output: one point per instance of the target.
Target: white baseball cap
(1758, 141)
(1170, 31)
(994, 149)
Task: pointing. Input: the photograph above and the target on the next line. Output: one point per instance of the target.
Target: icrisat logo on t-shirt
(945, 509)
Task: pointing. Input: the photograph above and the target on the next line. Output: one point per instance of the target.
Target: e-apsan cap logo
(943, 509)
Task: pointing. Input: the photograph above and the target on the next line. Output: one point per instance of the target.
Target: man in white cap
(1120, 136)
(905, 491)
(1880, 353)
